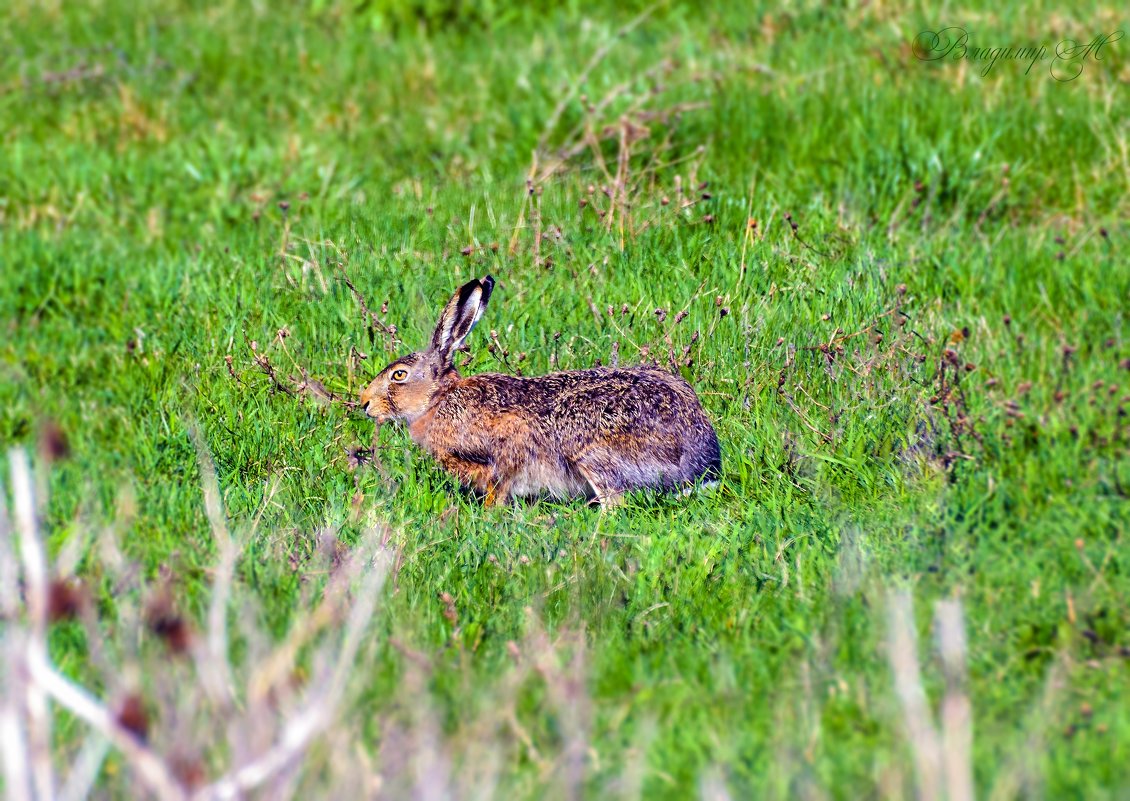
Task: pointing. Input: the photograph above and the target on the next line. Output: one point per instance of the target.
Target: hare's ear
(460, 315)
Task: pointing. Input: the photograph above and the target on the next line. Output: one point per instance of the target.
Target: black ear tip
(488, 282)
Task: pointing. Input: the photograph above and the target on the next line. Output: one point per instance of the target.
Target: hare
(595, 433)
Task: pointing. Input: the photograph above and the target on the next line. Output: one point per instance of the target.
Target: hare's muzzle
(373, 404)
(375, 411)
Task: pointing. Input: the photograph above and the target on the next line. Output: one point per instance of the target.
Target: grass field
(900, 289)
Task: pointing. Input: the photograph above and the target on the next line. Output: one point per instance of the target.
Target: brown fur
(598, 432)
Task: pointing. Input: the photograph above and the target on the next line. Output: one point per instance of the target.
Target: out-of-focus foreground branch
(285, 715)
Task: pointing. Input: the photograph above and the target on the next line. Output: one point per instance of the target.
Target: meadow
(898, 286)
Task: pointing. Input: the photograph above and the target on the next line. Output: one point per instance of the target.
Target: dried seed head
(188, 769)
(163, 619)
(53, 442)
(132, 717)
(449, 612)
(65, 597)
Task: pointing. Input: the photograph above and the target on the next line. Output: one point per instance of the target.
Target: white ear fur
(460, 315)
(466, 315)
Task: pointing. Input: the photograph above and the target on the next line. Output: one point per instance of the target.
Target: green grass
(738, 633)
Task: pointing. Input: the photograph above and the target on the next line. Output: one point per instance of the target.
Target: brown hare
(597, 433)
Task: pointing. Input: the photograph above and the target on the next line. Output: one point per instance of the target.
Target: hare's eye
(399, 375)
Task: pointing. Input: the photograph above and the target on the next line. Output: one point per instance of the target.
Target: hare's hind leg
(497, 493)
(605, 489)
(614, 469)
(596, 466)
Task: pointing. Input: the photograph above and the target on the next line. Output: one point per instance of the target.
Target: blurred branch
(30, 679)
(903, 654)
(943, 764)
(215, 671)
(150, 767)
(34, 560)
(956, 713)
(321, 707)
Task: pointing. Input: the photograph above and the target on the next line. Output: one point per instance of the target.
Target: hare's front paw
(495, 496)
